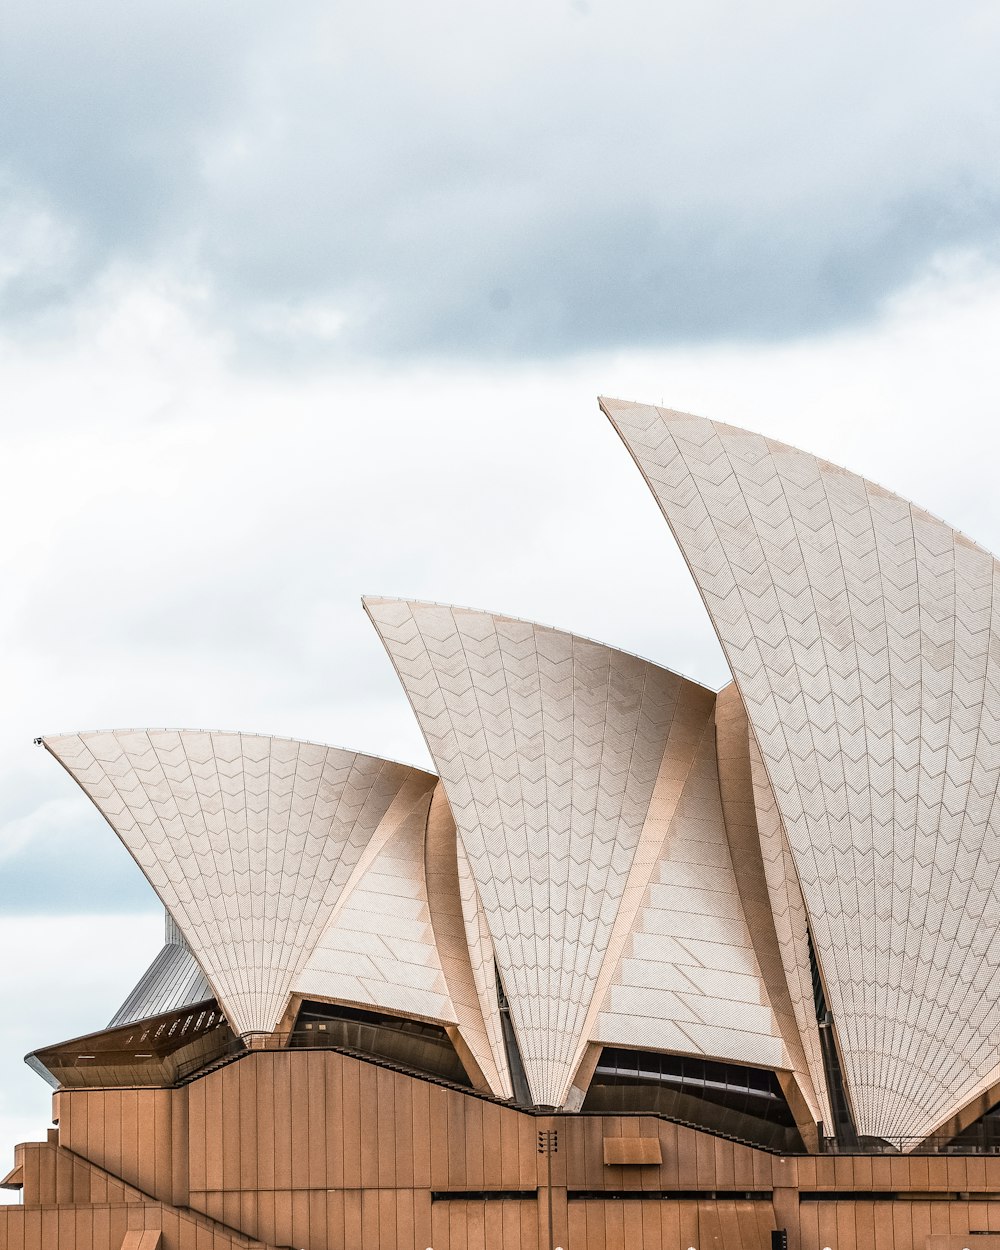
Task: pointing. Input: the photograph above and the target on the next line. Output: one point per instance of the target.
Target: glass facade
(414, 1044)
(981, 1137)
(843, 1131)
(515, 1065)
(743, 1103)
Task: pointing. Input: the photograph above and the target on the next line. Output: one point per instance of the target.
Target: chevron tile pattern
(248, 841)
(863, 637)
(689, 980)
(378, 948)
(396, 939)
(550, 748)
(464, 945)
(772, 900)
(788, 911)
(690, 721)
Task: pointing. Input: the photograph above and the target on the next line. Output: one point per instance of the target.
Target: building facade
(640, 965)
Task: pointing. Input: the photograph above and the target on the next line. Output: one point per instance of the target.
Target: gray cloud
(80, 863)
(394, 179)
(56, 851)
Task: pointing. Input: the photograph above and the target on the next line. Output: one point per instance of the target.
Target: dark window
(982, 1135)
(414, 1044)
(844, 1132)
(668, 1195)
(744, 1103)
(518, 1077)
(484, 1195)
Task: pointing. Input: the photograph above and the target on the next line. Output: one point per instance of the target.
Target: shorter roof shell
(249, 841)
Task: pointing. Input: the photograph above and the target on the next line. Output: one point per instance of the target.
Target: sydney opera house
(642, 965)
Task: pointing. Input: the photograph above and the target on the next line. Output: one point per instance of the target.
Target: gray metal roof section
(172, 981)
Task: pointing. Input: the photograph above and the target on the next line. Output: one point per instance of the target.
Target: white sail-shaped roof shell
(249, 842)
(864, 639)
(464, 945)
(396, 939)
(689, 979)
(378, 947)
(772, 898)
(565, 764)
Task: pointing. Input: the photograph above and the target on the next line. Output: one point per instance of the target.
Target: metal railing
(300, 1039)
(986, 1143)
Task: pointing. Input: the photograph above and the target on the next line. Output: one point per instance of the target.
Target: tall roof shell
(247, 840)
(565, 762)
(863, 636)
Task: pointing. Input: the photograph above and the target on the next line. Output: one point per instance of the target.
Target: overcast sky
(304, 302)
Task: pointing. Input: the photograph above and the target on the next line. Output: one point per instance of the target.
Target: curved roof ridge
(43, 739)
(555, 629)
(562, 760)
(858, 626)
(249, 841)
(602, 400)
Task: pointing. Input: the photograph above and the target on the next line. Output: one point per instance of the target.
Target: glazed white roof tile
(464, 945)
(689, 957)
(378, 948)
(565, 762)
(396, 940)
(249, 841)
(863, 636)
(772, 900)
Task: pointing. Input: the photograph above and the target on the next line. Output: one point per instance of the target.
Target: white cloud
(37, 248)
(48, 818)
